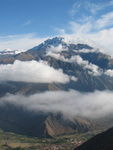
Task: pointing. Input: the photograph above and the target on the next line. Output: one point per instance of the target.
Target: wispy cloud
(91, 23)
(72, 103)
(58, 30)
(94, 8)
(89, 7)
(105, 20)
(92, 69)
(27, 23)
(76, 6)
(80, 28)
(21, 41)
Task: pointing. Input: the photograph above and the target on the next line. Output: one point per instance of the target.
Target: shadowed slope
(102, 141)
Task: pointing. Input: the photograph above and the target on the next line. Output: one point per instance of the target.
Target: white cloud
(92, 69)
(80, 29)
(104, 39)
(101, 39)
(53, 49)
(58, 30)
(109, 72)
(88, 50)
(91, 105)
(105, 20)
(27, 23)
(92, 8)
(32, 71)
(79, 60)
(20, 42)
(73, 78)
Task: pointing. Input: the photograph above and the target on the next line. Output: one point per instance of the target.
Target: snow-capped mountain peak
(55, 42)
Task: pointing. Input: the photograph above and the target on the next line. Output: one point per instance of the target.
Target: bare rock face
(60, 125)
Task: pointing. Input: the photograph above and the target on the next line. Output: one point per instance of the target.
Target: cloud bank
(92, 68)
(109, 72)
(90, 105)
(32, 71)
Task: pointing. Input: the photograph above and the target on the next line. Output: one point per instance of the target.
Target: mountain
(17, 120)
(87, 64)
(85, 68)
(102, 141)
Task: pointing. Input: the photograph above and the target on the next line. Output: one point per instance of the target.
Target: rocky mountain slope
(17, 120)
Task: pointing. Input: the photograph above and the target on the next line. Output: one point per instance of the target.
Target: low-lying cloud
(109, 72)
(90, 105)
(92, 68)
(88, 50)
(32, 71)
(53, 49)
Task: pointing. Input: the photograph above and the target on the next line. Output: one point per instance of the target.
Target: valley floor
(11, 141)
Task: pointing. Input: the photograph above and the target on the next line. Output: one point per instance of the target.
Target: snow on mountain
(61, 49)
(59, 44)
(55, 42)
(10, 52)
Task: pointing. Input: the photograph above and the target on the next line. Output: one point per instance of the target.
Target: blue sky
(33, 16)
(26, 23)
